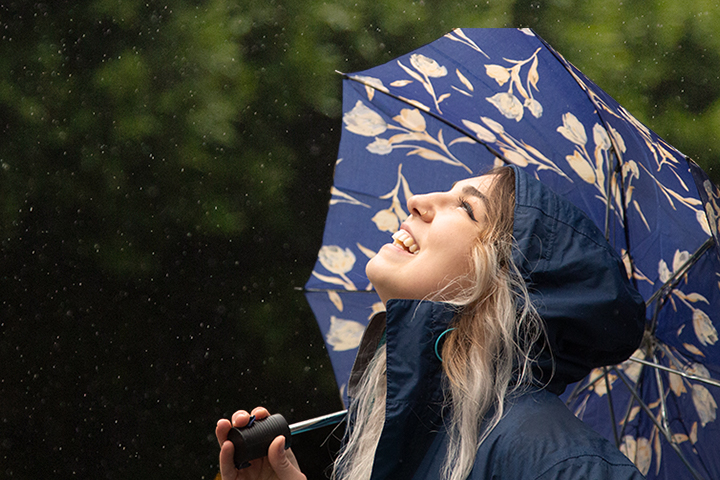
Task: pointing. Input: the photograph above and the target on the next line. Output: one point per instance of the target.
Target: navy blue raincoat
(592, 316)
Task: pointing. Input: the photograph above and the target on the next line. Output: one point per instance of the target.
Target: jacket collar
(414, 401)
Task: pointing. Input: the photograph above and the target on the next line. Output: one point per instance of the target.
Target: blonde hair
(486, 358)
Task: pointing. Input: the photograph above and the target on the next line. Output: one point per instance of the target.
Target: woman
(498, 294)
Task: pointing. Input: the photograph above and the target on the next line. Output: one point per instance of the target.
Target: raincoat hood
(593, 316)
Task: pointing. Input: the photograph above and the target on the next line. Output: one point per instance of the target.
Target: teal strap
(437, 342)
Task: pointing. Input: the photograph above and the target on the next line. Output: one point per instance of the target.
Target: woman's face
(433, 246)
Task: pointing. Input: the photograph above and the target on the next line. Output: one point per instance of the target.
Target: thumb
(283, 461)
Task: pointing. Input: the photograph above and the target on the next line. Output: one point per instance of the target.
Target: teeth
(404, 240)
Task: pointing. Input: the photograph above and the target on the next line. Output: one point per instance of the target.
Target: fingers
(227, 463)
(283, 461)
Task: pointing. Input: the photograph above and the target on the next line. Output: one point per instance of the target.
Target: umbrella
(477, 98)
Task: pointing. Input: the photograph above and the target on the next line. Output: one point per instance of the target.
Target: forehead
(481, 183)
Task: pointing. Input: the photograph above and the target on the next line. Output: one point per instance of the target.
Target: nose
(424, 206)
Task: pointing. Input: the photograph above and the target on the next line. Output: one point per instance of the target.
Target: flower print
(336, 259)
(704, 329)
(536, 109)
(601, 138)
(411, 119)
(427, 66)
(498, 73)
(508, 104)
(386, 221)
(581, 166)
(572, 129)
(381, 146)
(364, 121)
(344, 334)
(639, 451)
(705, 404)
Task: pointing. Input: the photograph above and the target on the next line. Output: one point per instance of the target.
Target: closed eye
(462, 203)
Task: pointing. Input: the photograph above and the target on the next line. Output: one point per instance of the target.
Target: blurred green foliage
(164, 175)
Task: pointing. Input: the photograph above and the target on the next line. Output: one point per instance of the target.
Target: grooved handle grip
(253, 442)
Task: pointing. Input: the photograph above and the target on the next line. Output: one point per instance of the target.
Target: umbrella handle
(253, 441)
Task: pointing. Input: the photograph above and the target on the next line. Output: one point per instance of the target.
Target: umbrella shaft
(318, 422)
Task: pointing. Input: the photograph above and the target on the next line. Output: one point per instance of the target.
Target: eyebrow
(470, 190)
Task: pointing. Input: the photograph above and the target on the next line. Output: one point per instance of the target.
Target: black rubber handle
(253, 442)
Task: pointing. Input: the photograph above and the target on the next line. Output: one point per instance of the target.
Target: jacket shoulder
(539, 438)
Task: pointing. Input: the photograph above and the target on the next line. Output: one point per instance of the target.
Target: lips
(404, 240)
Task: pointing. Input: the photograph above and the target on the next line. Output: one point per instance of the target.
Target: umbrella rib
(666, 287)
(666, 433)
(610, 406)
(661, 393)
(689, 376)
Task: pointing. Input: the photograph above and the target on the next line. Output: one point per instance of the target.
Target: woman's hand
(279, 464)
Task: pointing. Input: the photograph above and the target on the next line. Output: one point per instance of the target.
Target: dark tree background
(164, 176)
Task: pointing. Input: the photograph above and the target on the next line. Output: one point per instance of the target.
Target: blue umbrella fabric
(477, 98)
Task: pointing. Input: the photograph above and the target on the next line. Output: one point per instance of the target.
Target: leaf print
(364, 121)
(428, 69)
(344, 198)
(658, 453)
(462, 38)
(533, 76)
(344, 334)
(371, 84)
(481, 132)
(643, 455)
(493, 125)
(335, 299)
(464, 80)
(705, 404)
(368, 253)
(388, 220)
(693, 349)
(573, 130)
(506, 102)
(515, 157)
(415, 103)
(676, 384)
(401, 83)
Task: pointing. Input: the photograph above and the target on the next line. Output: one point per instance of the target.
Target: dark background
(164, 177)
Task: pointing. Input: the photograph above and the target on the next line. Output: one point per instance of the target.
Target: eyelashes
(462, 203)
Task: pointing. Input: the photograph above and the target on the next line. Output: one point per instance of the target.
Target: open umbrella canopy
(477, 98)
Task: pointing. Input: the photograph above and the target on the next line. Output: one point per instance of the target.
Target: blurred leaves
(164, 176)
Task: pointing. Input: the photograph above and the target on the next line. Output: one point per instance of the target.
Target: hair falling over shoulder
(486, 358)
